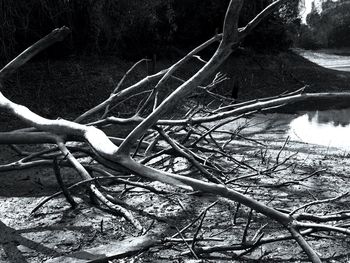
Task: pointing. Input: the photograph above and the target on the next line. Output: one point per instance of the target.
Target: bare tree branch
(105, 150)
(55, 36)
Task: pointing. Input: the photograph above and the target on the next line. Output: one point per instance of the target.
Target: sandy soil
(311, 172)
(56, 229)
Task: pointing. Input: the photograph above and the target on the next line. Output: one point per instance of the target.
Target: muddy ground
(309, 172)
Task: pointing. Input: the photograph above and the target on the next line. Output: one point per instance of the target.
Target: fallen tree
(140, 152)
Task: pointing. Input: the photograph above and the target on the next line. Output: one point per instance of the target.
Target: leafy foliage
(278, 31)
(131, 28)
(328, 29)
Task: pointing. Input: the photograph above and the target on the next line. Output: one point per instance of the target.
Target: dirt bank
(260, 75)
(65, 88)
(69, 86)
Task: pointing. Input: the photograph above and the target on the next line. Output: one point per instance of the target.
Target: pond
(332, 59)
(328, 128)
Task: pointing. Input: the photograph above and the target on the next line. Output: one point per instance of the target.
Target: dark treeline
(329, 28)
(134, 28)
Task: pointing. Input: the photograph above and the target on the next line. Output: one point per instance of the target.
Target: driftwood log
(120, 154)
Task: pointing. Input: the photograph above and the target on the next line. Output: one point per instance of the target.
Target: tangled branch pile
(154, 145)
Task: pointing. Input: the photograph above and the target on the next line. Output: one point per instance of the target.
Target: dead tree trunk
(119, 154)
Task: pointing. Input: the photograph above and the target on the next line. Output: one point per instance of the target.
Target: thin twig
(201, 223)
(184, 240)
(319, 202)
(245, 232)
(195, 220)
(65, 191)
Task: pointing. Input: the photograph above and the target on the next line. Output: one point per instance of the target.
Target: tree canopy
(329, 28)
(120, 26)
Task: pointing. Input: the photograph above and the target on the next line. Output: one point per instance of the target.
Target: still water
(332, 59)
(328, 128)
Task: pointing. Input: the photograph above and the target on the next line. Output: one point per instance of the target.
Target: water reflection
(328, 128)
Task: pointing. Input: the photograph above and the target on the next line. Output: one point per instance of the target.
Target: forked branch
(111, 156)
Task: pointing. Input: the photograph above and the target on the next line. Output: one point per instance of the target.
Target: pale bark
(114, 157)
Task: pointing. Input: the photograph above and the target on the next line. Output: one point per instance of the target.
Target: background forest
(135, 28)
(328, 26)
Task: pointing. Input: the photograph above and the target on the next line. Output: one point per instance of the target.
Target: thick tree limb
(313, 257)
(26, 137)
(55, 36)
(108, 154)
(120, 94)
(181, 92)
(261, 16)
(232, 32)
(86, 176)
(113, 250)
